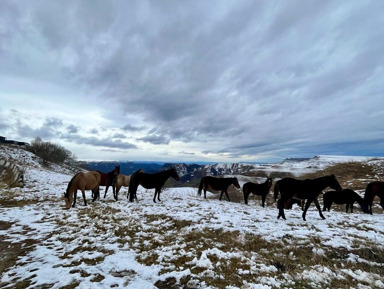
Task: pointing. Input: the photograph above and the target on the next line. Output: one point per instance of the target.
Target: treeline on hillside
(51, 152)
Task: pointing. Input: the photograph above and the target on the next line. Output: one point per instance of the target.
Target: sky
(220, 81)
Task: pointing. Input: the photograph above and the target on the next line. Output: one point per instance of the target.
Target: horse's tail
(201, 186)
(276, 190)
(245, 193)
(133, 184)
(114, 181)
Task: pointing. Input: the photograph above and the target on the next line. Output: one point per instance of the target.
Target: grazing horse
(374, 189)
(150, 181)
(107, 178)
(118, 182)
(217, 184)
(305, 190)
(257, 189)
(82, 181)
(346, 196)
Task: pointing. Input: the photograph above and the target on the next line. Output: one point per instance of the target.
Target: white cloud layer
(194, 80)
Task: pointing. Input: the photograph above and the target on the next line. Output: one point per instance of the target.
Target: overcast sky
(194, 80)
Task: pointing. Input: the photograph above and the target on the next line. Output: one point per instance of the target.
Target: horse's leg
(263, 200)
(83, 192)
(105, 194)
(221, 194)
(74, 199)
(106, 190)
(281, 208)
(227, 195)
(154, 197)
(246, 195)
(158, 194)
(316, 201)
(307, 204)
(352, 207)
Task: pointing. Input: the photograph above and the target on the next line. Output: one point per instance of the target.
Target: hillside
(186, 241)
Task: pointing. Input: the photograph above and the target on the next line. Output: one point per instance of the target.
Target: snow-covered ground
(183, 241)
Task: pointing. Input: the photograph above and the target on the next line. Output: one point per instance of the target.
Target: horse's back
(287, 184)
(92, 180)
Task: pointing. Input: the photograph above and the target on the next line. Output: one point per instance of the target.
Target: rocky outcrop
(11, 174)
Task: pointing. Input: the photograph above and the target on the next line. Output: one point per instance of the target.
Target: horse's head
(116, 171)
(174, 174)
(236, 183)
(269, 182)
(364, 207)
(334, 184)
(68, 202)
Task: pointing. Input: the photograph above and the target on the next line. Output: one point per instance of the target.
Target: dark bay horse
(374, 189)
(217, 184)
(150, 181)
(82, 181)
(107, 179)
(257, 189)
(346, 196)
(305, 190)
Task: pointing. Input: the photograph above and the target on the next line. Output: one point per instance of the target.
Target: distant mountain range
(186, 172)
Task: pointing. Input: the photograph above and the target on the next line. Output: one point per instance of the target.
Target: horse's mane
(70, 182)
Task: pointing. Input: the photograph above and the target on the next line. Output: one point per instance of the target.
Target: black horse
(150, 181)
(346, 196)
(374, 189)
(257, 189)
(107, 180)
(305, 190)
(217, 184)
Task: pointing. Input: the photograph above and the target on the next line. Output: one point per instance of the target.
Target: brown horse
(374, 189)
(82, 181)
(118, 182)
(150, 181)
(217, 184)
(107, 179)
(257, 189)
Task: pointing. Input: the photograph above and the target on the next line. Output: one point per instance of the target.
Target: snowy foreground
(182, 242)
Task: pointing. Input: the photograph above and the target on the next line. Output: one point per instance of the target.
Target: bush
(51, 152)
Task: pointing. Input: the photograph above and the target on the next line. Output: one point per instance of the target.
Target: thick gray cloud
(72, 128)
(251, 78)
(99, 142)
(155, 139)
(129, 127)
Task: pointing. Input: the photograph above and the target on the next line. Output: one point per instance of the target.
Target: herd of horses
(290, 190)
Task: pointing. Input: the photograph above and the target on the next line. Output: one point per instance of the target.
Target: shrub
(51, 152)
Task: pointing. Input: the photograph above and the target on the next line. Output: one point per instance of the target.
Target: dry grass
(352, 175)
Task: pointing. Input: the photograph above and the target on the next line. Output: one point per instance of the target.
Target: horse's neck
(164, 175)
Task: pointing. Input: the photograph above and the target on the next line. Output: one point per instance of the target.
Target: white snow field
(184, 241)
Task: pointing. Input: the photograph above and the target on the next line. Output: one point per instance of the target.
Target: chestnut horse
(308, 190)
(82, 181)
(374, 189)
(257, 189)
(150, 181)
(217, 184)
